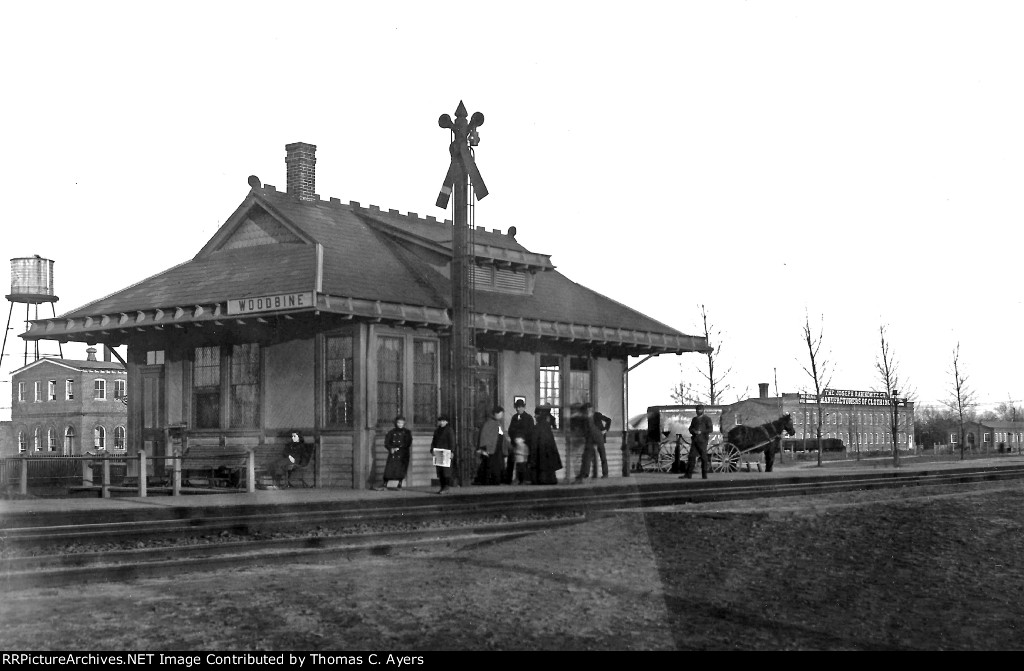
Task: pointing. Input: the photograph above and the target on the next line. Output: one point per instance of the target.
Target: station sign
(244, 306)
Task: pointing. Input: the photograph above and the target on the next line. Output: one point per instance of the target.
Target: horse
(745, 438)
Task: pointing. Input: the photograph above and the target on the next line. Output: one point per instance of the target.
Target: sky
(851, 164)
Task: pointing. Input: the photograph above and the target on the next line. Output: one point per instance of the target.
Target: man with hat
(701, 427)
(520, 430)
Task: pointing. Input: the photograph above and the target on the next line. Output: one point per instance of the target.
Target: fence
(105, 474)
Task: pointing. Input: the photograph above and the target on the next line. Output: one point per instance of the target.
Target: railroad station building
(861, 419)
(332, 318)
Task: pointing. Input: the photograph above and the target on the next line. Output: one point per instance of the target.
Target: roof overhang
(117, 327)
(634, 342)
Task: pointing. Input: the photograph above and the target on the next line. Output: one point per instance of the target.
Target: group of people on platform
(524, 452)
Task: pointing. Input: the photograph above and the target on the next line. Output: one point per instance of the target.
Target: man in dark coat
(604, 422)
(492, 445)
(545, 461)
(520, 426)
(701, 427)
(444, 439)
(397, 442)
(593, 439)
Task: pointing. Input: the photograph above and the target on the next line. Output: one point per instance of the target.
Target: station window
(424, 381)
(21, 392)
(485, 384)
(22, 442)
(37, 441)
(232, 372)
(119, 434)
(340, 380)
(69, 440)
(408, 375)
(99, 390)
(579, 380)
(155, 357)
(69, 390)
(550, 385)
(99, 438)
(51, 440)
(245, 386)
(38, 391)
(120, 388)
(51, 390)
(389, 378)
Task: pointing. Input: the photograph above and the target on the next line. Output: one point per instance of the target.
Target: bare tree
(962, 400)
(888, 374)
(715, 380)
(819, 369)
(684, 394)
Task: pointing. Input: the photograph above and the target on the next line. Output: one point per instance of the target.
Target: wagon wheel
(725, 458)
(666, 457)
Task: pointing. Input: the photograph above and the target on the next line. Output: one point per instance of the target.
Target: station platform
(80, 510)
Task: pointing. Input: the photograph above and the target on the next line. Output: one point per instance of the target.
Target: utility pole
(462, 176)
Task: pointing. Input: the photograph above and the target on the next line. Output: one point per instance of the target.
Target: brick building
(861, 419)
(990, 434)
(68, 407)
(332, 318)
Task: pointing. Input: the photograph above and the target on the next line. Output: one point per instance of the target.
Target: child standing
(522, 456)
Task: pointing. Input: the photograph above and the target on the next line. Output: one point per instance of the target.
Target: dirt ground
(918, 568)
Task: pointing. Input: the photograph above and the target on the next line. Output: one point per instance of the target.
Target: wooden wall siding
(336, 455)
(421, 467)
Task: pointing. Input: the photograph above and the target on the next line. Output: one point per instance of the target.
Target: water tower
(31, 284)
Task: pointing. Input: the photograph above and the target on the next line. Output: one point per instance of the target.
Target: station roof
(364, 262)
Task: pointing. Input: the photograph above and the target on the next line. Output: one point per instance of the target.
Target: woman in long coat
(544, 457)
(397, 442)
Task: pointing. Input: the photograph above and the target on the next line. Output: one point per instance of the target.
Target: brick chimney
(762, 388)
(90, 354)
(301, 167)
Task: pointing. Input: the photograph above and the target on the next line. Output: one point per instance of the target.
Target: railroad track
(52, 554)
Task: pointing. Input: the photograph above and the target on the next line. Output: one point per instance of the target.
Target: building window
(38, 391)
(206, 388)
(21, 392)
(389, 378)
(69, 440)
(987, 437)
(22, 444)
(485, 385)
(234, 372)
(99, 390)
(579, 380)
(119, 437)
(120, 387)
(51, 390)
(339, 378)
(51, 440)
(99, 438)
(550, 383)
(37, 444)
(424, 382)
(69, 390)
(155, 357)
(245, 386)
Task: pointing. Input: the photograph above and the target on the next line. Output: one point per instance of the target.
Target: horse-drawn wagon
(662, 443)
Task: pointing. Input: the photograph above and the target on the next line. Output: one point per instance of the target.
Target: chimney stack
(106, 354)
(762, 387)
(300, 161)
(90, 354)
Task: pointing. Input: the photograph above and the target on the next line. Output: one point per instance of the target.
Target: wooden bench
(214, 466)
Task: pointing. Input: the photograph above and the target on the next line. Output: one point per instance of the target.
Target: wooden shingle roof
(364, 262)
